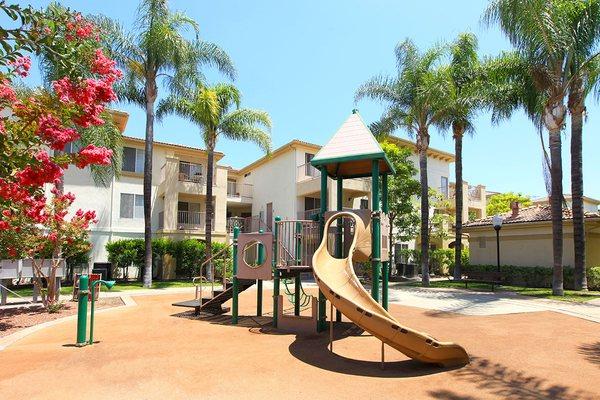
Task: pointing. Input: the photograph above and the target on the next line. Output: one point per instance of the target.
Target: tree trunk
(422, 145)
(209, 206)
(577, 110)
(458, 196)
(556, 207)
(151, 92)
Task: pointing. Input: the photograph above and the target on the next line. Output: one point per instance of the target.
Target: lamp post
(497, 223)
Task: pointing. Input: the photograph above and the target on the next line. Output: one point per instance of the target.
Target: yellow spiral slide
(340, 285)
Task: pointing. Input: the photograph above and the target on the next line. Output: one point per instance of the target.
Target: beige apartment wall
(527, 246)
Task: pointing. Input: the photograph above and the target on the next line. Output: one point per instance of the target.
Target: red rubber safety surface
(146, 352)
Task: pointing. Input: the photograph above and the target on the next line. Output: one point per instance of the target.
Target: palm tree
(462, 105)
(215, 111)
(156, 48)
(413, 100)
(538, 31)
(585, 73)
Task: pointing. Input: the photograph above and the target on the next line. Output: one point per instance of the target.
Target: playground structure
(327, 248)
(25, 269)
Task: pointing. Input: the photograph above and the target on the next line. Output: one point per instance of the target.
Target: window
(132, 205)
(133, 160)
(311, 203)
(482, 243)
(444, 186)
(364, 204)
(72, 147)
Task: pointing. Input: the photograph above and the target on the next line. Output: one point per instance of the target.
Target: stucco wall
(527, 245)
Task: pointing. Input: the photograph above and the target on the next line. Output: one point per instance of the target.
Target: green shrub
(189, 254)
(131, 252)
(526, 276)
(441, 261)
(593, 278)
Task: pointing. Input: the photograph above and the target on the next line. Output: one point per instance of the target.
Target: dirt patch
(15, 319)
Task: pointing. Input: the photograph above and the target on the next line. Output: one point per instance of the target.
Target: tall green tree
(414, 101)
(463, 103)
(542, 35)
(156, 49)
(585, 68)
(500, 203)
(215, 111)
(402, 189)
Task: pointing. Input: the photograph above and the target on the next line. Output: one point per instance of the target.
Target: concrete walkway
(470, 302)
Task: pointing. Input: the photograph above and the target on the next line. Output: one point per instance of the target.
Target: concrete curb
(12, 338)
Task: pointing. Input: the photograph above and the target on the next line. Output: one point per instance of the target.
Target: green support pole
(93, 286)
(321, 321)
(259, 282)
(298, 262)
(82, 310)
(339, 245)
(275, 273)
(236, 288)
(385, 266)
(376, 238)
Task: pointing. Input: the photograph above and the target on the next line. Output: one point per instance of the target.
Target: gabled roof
(277, 152)
(351, 150)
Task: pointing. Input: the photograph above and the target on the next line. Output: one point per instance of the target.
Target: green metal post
(385, 266)
(82, 310)
(298, 262)
(275, 272)
(339, 244)
(236, 288)
(376, 237)
(259, 282)
(321, 321)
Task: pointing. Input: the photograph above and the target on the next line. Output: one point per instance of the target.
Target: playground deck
(149, 352)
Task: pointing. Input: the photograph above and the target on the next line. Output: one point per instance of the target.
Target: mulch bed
(15, 319)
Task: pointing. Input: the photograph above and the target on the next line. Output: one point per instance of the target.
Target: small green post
(109, 285)
(236, 289)
(321, 321)
(275, 273)
(376, 236)
(259, 282)
(385, 266)
(82, 310)
(339, 244)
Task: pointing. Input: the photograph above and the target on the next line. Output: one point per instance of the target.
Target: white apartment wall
(436, 168)
(275, 182)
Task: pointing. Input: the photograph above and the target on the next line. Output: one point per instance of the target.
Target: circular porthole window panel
(253, 256)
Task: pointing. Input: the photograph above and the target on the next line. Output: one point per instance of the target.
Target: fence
(297, 241)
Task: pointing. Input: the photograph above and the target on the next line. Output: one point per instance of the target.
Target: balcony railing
(307, 171)
(239, 190)
(308, 214)
(192, 220)
(474, 193)
(247, 224)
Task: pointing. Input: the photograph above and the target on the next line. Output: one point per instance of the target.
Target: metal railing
(308, 214)
(297, 241)
(474, 193)
(239, 190)
(192, 172)
(192, 220)
(307, 171)
(247, 224)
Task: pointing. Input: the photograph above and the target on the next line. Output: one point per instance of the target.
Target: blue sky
(302, 61)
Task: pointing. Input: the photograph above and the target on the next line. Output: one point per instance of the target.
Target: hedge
(536, 276)
(190, 253)
(441, 261)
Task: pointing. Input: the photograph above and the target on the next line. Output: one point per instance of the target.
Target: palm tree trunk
(209, 206)
(423, 143)
(458, 196)
(556, 208)
(577, 196)
(150, 91)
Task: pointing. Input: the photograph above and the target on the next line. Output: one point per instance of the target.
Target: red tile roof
(528, 215)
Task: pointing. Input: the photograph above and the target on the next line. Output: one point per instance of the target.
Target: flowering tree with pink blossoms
(35, 127)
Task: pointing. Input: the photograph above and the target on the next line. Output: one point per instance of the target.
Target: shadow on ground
(591, 352)
(7, 316)
(314, 350)
(502, 382)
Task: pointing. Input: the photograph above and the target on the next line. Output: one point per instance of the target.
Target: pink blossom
(51, 130)
(93, 155)
(22, 66)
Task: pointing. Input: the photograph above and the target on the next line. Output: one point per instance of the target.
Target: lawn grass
(27, 291)
(543, 293)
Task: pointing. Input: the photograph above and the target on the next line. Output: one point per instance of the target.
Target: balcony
(239, 192)
(191, 220)
(183, 177)
(307, 172)
(247, 224)
(308, 215)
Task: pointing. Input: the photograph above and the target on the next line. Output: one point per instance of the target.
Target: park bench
(490, 277)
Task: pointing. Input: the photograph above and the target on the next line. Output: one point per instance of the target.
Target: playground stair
(214, 305)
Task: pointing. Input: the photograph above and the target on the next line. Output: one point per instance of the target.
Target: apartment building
(282, 183)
